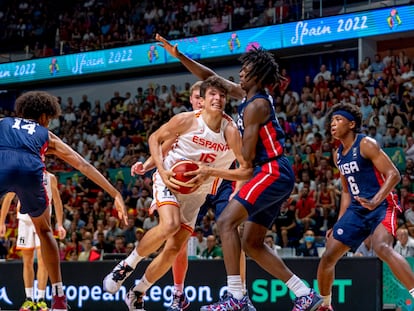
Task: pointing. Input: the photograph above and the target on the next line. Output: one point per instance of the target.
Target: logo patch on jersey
(340, 231)
(354, 152)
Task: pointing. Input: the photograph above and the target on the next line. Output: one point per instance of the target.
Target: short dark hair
(213, 82)
(350, 108)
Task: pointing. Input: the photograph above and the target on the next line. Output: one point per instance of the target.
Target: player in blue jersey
(24, 142)
(368, 204)
(258, 201)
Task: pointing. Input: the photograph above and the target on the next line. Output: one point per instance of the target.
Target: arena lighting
(138, 57)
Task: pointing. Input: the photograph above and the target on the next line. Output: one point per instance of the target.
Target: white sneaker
(113, 281)
(134, 300)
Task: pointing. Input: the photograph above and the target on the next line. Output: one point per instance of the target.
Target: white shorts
(27, 237)
(189, 204)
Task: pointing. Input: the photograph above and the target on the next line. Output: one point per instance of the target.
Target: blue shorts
(22, 173)
(357, 223)
(217, 201)
(270, 186)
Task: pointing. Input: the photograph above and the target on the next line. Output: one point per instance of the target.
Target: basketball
(179, 168)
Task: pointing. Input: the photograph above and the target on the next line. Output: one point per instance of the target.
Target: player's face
(246, 80)
(340, 126)
(195, 99)
(214, 99)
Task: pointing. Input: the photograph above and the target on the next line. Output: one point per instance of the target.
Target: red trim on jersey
(268, 136)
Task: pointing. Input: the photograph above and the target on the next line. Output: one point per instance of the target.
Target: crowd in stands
(112, 133)
(45, 27)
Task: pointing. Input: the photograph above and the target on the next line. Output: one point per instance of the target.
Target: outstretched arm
(198, 69)
(70, 156)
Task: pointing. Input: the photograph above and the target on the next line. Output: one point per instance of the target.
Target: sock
(179, 288)
(234, 286)
(133, 259)
(411, 291)
(327, 300)
(41, 294)
(29, 292)
(142, 285)
(244, 288)
(297, 286)
(57, 289)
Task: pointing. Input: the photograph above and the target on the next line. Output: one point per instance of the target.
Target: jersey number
(208, 157)
(353, 186)
(29, 127)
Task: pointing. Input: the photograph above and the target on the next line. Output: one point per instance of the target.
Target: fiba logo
(21, 240)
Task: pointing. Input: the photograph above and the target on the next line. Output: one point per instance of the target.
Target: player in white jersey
(207, 136)
(28, 242)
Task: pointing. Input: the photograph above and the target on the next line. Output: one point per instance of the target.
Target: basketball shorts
(217, 201)
(263, 195)
(27, 237)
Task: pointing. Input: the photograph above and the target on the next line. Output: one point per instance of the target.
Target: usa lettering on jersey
(349, 168)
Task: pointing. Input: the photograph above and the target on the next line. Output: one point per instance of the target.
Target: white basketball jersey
(203, 145)
(48, 187)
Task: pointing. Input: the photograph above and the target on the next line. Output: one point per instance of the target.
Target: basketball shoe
(309, 302)
(113, 281)
(228, 303)
(41, 305)
(179, 303)
(134, 300)
(59, 303)
(28, 305)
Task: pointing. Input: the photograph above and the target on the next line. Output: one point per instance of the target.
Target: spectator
(86, 252)
(150, 221)
(201, 241)
(409, 215)
(119, 245)
(139, 233)
(113, 230)
(213, 251)
(130, 231)
(405, 243)
(393, 139)
(270, 241)
(102, 245)
(308, 246)
(305, 209)
(326, 74)
(286, 224)
(365, 249)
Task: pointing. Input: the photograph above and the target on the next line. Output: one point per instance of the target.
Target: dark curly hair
(213, 82)
(352, 109)
(31, 105)
(265, 69)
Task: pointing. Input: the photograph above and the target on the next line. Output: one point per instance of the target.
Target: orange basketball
(179, 168)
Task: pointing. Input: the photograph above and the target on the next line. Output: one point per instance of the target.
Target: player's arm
(140, 168)
(198, 69)
(244, 170)
(5, 206)
(57, 203)
(371, 150)
(63, 151)
(255, 114)
(179, 124)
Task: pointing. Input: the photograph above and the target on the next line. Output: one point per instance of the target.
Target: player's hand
(120, 207)
(165, 176)
(200, 175)
(61, 232)
(172, 49)
(368, 204)
(137, 169)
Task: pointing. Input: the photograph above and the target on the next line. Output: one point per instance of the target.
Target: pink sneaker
(59, 303)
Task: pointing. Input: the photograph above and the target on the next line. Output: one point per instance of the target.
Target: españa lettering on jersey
(209, 144)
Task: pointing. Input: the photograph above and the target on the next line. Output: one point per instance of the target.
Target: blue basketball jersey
(271, 140)
(363, 179)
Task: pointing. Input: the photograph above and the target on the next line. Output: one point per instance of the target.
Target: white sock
(327, 300)
(29, 292)
(411, 291)
(41, 294)
(133, 259)
(142, 285)
(57, 289)
(179, 288)
(234, 286)
(297, 286)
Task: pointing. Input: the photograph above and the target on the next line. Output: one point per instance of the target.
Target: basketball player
(368, 204)
(24, 141)
(208, 136)
(28, 242)
(258, 201)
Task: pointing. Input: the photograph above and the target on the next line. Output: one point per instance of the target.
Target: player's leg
(28, 278)
(179, 269)
(42, 278)
(157, 268)
(382, 242)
